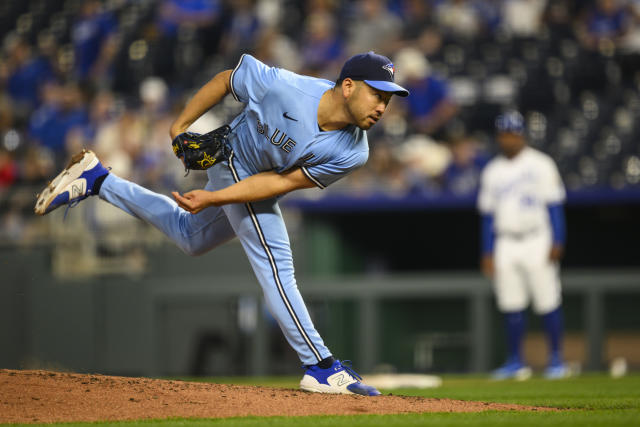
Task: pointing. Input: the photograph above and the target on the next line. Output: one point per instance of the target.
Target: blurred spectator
(277, 49)
(101, 112)
(419, 29)
(152, 169)
(62, 111)
(523, 18)
(242, 31)
(194, 13)
(430, 106)
(25, 75)
(558, 17)
(417, 16)
(606, 22)
(490, 12)
(119, 142)
(36, 166)
(429, 42)
(6, 113)
(462, 175)
(383, 173)
(321, 48)
(634, 9)
(424, 160)
(373, 27)
(631, 44)
(189, 30)
(47, 47)
(8, 168)
(459, 18)
(94, 43)
(324, 6)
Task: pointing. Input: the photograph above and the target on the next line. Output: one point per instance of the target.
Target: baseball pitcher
(295, 132)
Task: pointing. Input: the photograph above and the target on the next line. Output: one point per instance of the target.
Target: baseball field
(36, 397)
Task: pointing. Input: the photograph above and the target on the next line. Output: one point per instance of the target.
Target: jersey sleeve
(326, 174)
(440, 90)
(553, 191)
(251, 79)
(486, 202)
(487, 234)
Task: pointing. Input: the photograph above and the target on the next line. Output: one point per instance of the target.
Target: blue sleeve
(251, 79)
(108, 24)
(558, 223)
(487, 236)
(325, 174)
(439, 90)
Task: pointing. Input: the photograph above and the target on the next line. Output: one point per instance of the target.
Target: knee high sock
(554, 325)
(515, 325)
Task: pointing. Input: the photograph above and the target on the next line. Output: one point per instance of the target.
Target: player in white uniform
(523, 236)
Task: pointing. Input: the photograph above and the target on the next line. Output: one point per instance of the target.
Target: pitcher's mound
(43, 396)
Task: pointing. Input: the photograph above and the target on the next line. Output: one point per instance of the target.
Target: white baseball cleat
(557, 371)
(73, 184)
(515, 371)
(338, 379)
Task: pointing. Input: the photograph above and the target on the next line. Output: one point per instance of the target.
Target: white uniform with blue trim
(517, 192)
(277, 130)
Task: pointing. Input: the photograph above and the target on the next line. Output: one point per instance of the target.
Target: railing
(369, 293)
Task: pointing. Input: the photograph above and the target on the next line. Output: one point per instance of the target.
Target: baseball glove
(201, 151)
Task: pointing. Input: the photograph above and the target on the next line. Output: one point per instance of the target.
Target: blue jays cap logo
(390, 68)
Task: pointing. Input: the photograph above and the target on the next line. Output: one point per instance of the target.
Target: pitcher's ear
(348, 87)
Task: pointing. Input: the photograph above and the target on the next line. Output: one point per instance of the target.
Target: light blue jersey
(278, 129)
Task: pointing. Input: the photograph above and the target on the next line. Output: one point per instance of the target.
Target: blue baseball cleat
(75, 183)
(340, 378)
(512, 370)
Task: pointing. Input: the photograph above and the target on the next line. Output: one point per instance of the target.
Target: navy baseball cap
(511, 122)
(375, 70)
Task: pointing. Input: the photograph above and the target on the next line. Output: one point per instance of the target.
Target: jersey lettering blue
(276, 137)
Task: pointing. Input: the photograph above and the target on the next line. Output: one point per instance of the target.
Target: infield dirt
(45, 396)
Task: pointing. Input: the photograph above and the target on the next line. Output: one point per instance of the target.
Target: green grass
(585, 392)
(589, 400)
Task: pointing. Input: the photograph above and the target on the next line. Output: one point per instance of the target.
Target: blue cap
(511, 122)
(375, 70)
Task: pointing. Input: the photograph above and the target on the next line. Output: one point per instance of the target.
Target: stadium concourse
(109, 75)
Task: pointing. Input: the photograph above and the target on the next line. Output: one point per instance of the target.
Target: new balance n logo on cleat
(340, 380)
(77, 189)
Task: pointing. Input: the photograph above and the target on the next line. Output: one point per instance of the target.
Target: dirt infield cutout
(45, 396)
